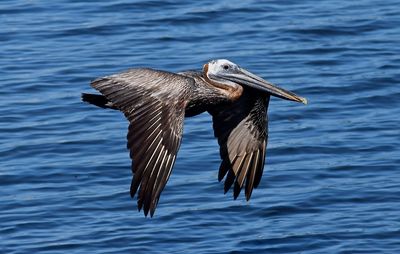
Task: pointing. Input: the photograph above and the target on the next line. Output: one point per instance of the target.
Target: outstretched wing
(241, 129)
(154, 103)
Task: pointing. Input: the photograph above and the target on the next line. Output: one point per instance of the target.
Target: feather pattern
(156, 123)
(155, 104)
(241, 129)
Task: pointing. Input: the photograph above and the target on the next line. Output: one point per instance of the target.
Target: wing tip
(236, 190)
(248, 195)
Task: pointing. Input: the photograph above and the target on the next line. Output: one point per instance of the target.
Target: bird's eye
(225, 67)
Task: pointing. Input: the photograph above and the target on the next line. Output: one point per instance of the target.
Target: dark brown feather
(241, 129)
(156, 113)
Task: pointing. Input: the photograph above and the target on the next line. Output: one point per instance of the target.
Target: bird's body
(156, 102)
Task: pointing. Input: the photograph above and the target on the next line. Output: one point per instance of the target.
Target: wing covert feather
(242, 132)
(154, 103)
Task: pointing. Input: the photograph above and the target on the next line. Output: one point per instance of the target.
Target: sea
(331, 181)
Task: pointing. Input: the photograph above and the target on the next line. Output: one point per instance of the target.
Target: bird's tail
(98, 100)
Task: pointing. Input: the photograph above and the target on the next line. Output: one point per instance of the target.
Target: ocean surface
(331, 183)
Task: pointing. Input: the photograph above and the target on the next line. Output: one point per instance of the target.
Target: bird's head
(227, 75)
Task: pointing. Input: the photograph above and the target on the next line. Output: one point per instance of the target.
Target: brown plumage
(242, 132)
(155, 104)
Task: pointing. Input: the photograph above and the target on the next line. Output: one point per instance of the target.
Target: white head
(229, 77)
(219, 66)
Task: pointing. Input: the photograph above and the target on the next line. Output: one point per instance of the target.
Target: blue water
(332, 179)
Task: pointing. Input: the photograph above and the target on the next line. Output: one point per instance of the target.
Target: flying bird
(156, 102)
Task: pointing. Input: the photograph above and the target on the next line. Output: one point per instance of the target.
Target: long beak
(247, 78)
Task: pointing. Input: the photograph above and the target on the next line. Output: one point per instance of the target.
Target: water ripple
(330, 185)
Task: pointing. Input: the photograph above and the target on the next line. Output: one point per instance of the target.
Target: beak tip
(304, 101)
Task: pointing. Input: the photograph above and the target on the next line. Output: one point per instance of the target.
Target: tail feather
(98, 100)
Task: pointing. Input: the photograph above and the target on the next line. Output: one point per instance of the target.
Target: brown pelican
(156, 102)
